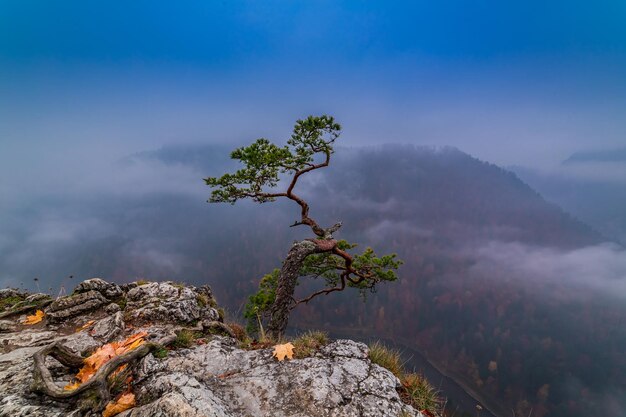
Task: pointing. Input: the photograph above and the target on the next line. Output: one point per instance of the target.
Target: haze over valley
(483, 142)
(493, 272)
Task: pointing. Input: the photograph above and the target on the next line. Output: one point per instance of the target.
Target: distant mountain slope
(598, 202)
(450, 194)
(611, 155)
(493, 272)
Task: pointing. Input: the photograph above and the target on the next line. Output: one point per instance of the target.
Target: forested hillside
(509, 293)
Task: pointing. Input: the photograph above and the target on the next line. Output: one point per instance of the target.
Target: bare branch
(325, 291)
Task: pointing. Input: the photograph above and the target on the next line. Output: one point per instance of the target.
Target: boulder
(107, 289)
(74, 305)
(166, 302)
(219, 379)
(11, 293)
(7, 326)
(108, 328)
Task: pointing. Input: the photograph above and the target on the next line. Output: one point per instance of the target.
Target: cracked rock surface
(218, 379)
(169, 303)
(206, 380)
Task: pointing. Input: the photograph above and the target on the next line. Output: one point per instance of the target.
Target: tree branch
(325, 291)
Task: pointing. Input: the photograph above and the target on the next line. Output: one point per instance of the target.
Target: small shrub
(7, 303)
(308, 343)
(142, 282)
(160, 353)
(420, 394)
(239, 331)
(202, 300)
(387, 358)
(184, 339)
(122, 303)
(258, 306)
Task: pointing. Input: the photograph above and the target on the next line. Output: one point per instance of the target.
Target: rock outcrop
(211, 376)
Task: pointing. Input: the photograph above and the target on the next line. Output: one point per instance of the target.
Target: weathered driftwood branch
(43, 382)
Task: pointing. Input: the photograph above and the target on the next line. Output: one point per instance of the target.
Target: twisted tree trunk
(287, 281)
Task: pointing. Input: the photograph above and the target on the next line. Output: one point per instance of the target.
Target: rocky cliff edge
(208, 376)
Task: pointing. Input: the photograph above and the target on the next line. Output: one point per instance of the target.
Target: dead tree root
(97, 384)
(218, 325)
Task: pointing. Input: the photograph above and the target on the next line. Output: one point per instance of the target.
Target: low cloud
(600, 268)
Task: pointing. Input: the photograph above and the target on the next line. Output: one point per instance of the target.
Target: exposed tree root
(97, 384)
(219, 326)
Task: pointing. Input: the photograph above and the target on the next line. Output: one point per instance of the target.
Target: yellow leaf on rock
(125, 402)
(85, 373)
(283, 351)
(86, 326)
(107, 352)
(101, 356)
(72, 386)
(35, 318)
(129, 347)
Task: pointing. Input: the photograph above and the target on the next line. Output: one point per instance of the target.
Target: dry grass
(308, 343)
(240, 332)
(420, 394)
(387, 358)
(184, 339)
(416, 390)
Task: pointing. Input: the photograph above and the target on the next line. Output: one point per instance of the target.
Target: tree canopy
(309, 148)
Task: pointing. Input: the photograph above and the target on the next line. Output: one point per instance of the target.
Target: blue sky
(85, 84)
(524, 83)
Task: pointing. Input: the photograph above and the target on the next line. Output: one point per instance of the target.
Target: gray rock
(7, 326)
(39, 300)
(218, 379)
(171, 405)
(129, 286)
(15, 380)
(36, 298)
(74, 305)
(166, 302)
(112, 308)
(17, 406)
(107, 289)
(11, 292)
(108, 328)
(25, 338)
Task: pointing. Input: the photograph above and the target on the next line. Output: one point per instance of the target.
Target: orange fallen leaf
(85, 373)
(107, 352)
(126, 348)
(85, 326)
(92, 363)
(119, 370)
(132, 339)
(72, 386)
(125, 402)
(35, 318)
(283, 351)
